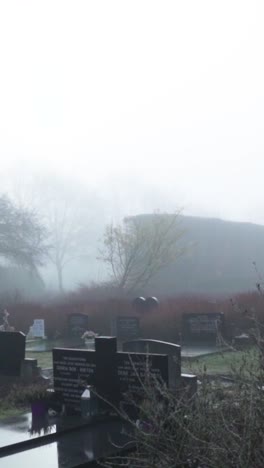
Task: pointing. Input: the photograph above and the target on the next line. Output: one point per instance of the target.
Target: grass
(44, 359)
(222, 363)
(9, 411)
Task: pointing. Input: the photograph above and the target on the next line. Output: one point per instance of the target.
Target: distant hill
(219, 259)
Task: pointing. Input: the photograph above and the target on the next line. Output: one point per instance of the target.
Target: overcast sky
(157, 104)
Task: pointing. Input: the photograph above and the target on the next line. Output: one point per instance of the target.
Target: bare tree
(67, 211)
(22, 237)
(69, 231)
(139, 247)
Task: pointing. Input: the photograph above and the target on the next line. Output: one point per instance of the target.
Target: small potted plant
(39, 400)
(41, 426)
(89, 336)
(37, 396)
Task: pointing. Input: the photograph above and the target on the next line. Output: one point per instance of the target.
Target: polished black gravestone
(202, 328)
(12, 353)
(112, 373)
(62, 442)
(160, 347)
(126, 328)
(139, 304)
(145, 305)
(106, 378)
(151, 303)
(77, 324)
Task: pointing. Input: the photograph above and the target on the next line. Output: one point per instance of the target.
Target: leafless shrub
(222, 426)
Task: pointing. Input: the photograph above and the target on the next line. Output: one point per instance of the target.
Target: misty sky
(157, 104)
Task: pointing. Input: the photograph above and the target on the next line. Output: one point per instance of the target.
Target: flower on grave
(5, 326)
(89, 334)
(6, 314)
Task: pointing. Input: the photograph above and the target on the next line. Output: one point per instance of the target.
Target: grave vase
(38, 409)
(40, 425)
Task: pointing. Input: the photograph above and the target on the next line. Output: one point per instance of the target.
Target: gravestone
(112, 373)
(188, 386)
(243, 341)
(151, 303)
(77, 324)
(106, 381)
(139, 304)
(160, 347)
(203, 328)
(38, 328)
(73, 369)
(126, 328)
(131, 369)
(12, 353)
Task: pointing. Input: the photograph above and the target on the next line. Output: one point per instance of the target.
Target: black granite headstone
(159, 347)
(12, 352)
(139, 304)
(151, 303)
(112, 373)
(202, 328)
(78, 324)
(131, 369)
(60, 442)
(127, 328)
(73, 370)
(106, 382)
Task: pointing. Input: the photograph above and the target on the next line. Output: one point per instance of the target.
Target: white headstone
(38, 328)
(30, 333)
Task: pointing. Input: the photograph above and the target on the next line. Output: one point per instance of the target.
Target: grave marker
(160, 347)
(78, 324)
(202, 328)
(38, 328)
(12, 352)
(73, 369)
(110, 372)
(131, 369)
(127, 328)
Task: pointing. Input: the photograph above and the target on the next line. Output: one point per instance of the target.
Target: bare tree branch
(22, 237)
(136, 250)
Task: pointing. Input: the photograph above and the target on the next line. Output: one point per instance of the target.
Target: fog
(133, 107)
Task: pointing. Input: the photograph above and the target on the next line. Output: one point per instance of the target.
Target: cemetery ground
(221, 428)
(220, 363)
(215, 364)
(44, 359)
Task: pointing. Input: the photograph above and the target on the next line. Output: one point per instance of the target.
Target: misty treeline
(49, 223)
